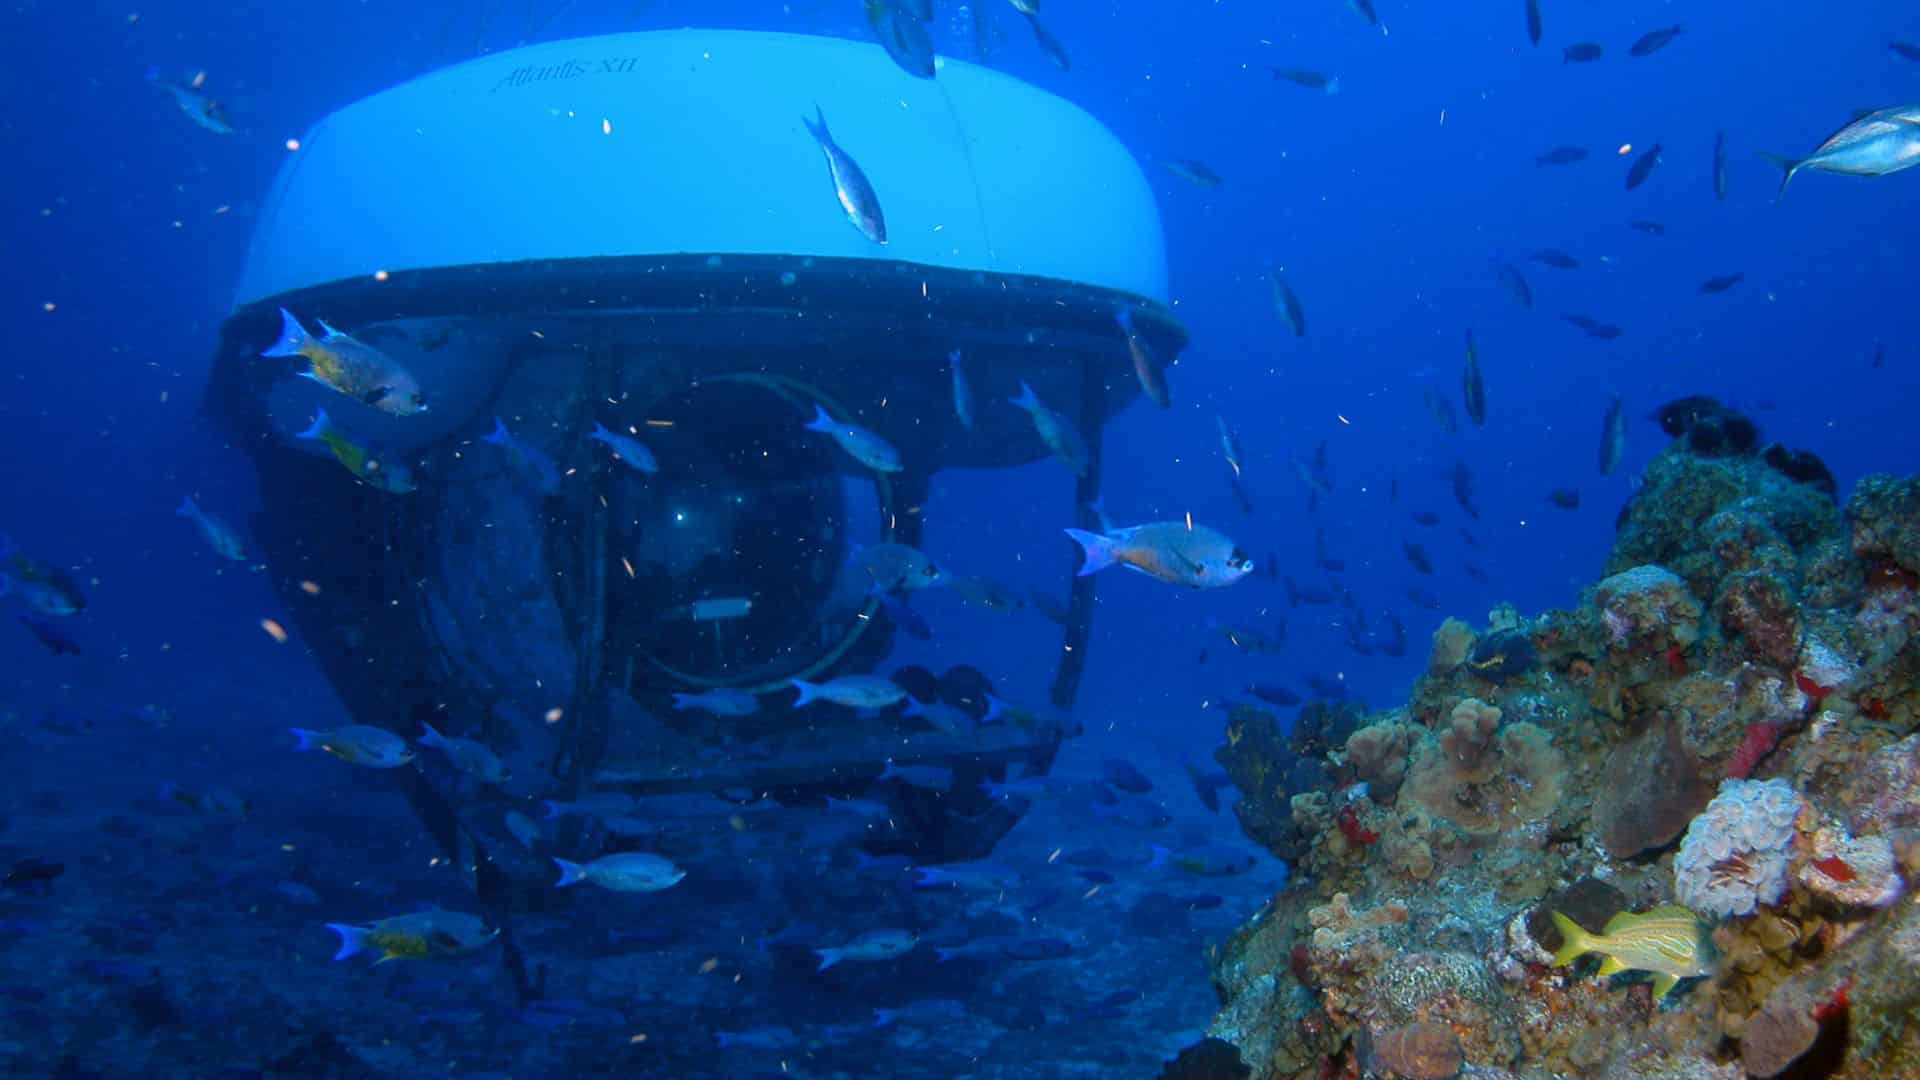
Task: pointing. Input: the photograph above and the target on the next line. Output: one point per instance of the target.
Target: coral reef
(1726, 721)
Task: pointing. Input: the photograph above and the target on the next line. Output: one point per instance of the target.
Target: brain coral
(1734, 857)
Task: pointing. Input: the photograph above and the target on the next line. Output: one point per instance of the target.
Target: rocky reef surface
(1726, 721)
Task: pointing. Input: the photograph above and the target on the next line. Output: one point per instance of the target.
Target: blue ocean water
(1384, 203)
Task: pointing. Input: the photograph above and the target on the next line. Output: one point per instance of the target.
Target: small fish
(598, 804)
(962, 390)
(1613, 436)
(767, 1037)
(1562, 155)
(1592, 327)
(214, 802)
(199, 108)
(469, 756)
(1250, 641)
(422, 935)
(1306, 594)
(1050, 46)
(628, 871)
(862, 445)
(1213, 861)
(357, 744)
(1463, 488)
(48, 635)
(1287, 305)
(904, 38)
(1643, 167)
(1416, 557)
(850, 186)
(1440, 409)
(1055, 430)
(932, 777)
(1654, 40)
(1651, 228)
(1721, 284)
(940, 716)
(1474, 389)
(1312, 80)
(1668, 941)
(1905, 50)
(1146, 366)
(626, 449)
(1876, 144)
(1584, 52)
(1720, 167)
(393, 477)
(1122, 775)
(895, 567)
(1565, 498)
(1879, 355)
(1424, 517)
(1515, 282)
(522, 828)
(1533, 22)
(869, 947)
(528, 462)
(1193, 172)
(720, 701)
(1170, 551)
(985, 592)
(48, 590)
(1229, 443)
(346, 365)
(974, 876)
(217, 533)
(853, 691)
(870, 809)
(1555, 258)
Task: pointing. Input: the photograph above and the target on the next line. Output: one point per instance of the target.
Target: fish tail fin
(432, 737)
(1099, 551)
(187, 509)
(353, 939)
(571, 873)
(319, 428)
(942, 954)
(1161, 856)
(499, 436)
(1789, 166)
(809, 692)
(1124, 316)
(554, 809)
(304, 739)
(1574, 941)
(682, 701)
(1333, 85)
(828, 958)
(818, 127)
(1027, 399)
(293, 340)
(953, 358)
(996, 710)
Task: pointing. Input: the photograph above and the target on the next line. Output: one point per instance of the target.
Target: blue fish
(528, 462)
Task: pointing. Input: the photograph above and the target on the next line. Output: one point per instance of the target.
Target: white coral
(1734, 856)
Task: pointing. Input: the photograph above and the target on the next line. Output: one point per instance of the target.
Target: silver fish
(962, 392)
(1613, 436)
(850, 185)
(1055, 430)
(199, 108)
(1881, 142)
(627, 449)
(867, 448)
(218, 534)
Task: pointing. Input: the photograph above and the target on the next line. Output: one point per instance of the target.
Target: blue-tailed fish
(46, 589)
(475, 759)
(357, 744)
(350, 366)
(1055, 430)
(720, 701)
(419, 936)
(1875, 144)
(1667, 942)
(850, 186)
(390, 476)
(867, 448)
(853, 691)
(625, 448)
(1171, 551)
(629, 871)
(873, 945)
(530, 463)
(199, 108)
(217, 533)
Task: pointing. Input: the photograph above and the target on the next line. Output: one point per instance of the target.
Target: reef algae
(1725, 724)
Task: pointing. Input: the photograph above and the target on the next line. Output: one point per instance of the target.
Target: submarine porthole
(740, 546)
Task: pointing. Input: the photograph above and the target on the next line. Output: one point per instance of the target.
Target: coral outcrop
(1726, 721)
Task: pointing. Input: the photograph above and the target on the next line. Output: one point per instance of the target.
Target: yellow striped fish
(1668, 942)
